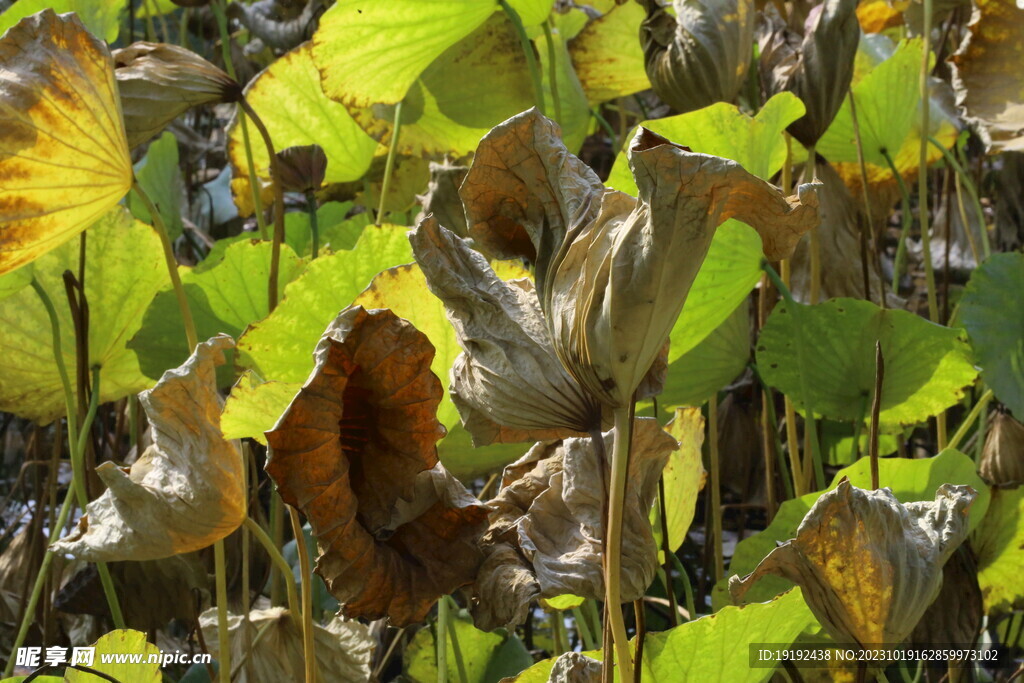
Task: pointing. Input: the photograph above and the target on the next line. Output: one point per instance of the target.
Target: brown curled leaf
(356, 452)
(186, 491)
(159, 82)
(869, 566)
(508, 384)
(63, 158)
(441, 200)
(1002, 459)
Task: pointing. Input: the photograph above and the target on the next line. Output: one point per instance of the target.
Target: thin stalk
(867, 205)
(792, 437)
(641, 635)
(810, 173)
(613, 570)
(905, 221)
(531, 58)
(965, 426)
(556, 103)
(277, 540)
(605, 126)
(876, 409)
(460, 665)
(810, 423)
(691, 606)
(279, 563)
(223, 635)
(275, 179)
(922, 171)
(306, 572)
(964, 179)
(314, 222)
(666, 549)
(586, 635)
(716, 488)
(172, 266)
(776, 443)
(441, 639)
(58, 354)
(558, 634)
(589, 611)
(389, 164)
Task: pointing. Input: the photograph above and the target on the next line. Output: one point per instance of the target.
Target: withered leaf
(186, 491)
(1002, 459)
(504, 589)
(701, 55)
(508, 384)
(356, 452)
(159, 82)
(441, 200)
(869, 566)
(63, 158)
(302, 168)
(620, 282)
(576, 667)
(552, 515)
(955, 616)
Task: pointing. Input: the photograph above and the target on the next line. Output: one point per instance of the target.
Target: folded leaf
(186, 491)
(63, 157)
(355, 451)
(1002, 460)
(869, 566)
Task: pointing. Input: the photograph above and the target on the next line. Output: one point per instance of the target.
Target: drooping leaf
(254, 407)
(442, 197)
(1002, 459)
(102, 18)
(909, 479)
(999, 543)
(992, 97)
(186, 491)
(926, 365)
(158, 82)
(344, 649)
(355, 451)
(160, 177)
(956, 614)
(121, 642)
(279, 346)
(701, 55)
(124, 270)
(993, 313)
(302, 168)
(487, 657)
(683, 475)
(473, 85)
(225, 298)
(373, 53)
(63, 156)
(607, 56)
(290, 100)
(868, 565)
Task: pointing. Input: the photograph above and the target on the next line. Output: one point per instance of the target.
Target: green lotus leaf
(226, 298)
(336, 231)
(372, 53)
(531, 12)
(607, 56)
(12, 281)
(289, 99)
(926, 365)
(684, 477)
(992, 310)
(101, 17)
(124, 270)
(999, 544)
(280, 347)
(472, 86)
(160, 177)
(253, 407)
(910, 480)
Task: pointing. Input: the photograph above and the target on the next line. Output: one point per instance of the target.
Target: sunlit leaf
(124, 270)
(227, 298)
(160, 177)
(336, 231)
(992, 310)
(986, 84)
(607, 56)
(63, 155)
(121, 642)
(101, 17)
(683, 475)
(12, 281)
(186, 491)
(999, 544)
(372, 53)
(253, 407)
(280, 346)
(926, 365)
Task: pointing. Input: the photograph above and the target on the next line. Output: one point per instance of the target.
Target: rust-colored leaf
(355, 451)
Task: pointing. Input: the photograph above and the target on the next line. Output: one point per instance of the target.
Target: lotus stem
(223, 634)
(613, 553)
(876, 409)
(691, 606)
(964, 181)
(792, 437)
(965, 426)
(583, 628)
(278, 561)
(716, 490)
(306, 572)
(275, 180)
(666, 549)
(314, 223)
(460, 665)
(441, 641)
(531, 58)
(922, 171)
(172, 266)
(867, 205)
(906, 219)
(556, 103)
(810, 173)
(58, 354)
(389, 165)
(606, 127)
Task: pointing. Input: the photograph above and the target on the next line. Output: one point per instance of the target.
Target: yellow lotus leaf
(986, 74)
(63, 155)
(869, 566)
(186, 491)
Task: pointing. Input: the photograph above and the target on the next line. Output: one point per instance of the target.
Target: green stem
(277, 578)
(223, 634)
(389, 165)
(613, 567)
(586, 635)
(556, 103)
(965, 426)
(666, 547)
(531, 58)
(314, 222)
(716, 488)
(691, 606)
(172, 266)
(441, 641)
(876, 408)
(922, 171)
(460, 665)
(972, 191)
(58, 354)
(306, 575)
(810, 423)
(280, 564)
(906, 219)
